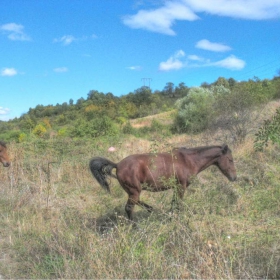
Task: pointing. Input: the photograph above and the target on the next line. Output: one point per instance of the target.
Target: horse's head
(4, 157)
(226, 164)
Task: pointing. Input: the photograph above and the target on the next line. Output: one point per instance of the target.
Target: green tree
(232, 82)
(27, 122)
(140, 96)
(221, 81)
(169, 89)
(181, 90)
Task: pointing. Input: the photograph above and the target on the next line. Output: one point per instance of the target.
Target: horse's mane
(2, 143)
(197, 149)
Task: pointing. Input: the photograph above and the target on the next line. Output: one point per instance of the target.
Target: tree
(221, 81)
(80, 102)
(169, 89)
(232, 82)
(140, 96)
(27, 122)
(96, 97)
(205, 85)
(181, 90)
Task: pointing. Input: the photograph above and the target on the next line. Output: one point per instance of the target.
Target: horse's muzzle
(233, 178)
(6, 164)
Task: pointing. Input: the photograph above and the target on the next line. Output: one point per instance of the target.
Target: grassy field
(164, 118)
(57, 222)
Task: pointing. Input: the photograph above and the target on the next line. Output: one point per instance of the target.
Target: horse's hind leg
(129, 207)
(148, 207)
(131, 202)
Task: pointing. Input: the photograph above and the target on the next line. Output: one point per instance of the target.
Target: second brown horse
(4, 157)
(155, 171)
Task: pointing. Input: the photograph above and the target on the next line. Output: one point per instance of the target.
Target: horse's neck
(206, 159)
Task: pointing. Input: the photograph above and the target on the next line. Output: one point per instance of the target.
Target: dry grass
(164, 118)
(56, 222)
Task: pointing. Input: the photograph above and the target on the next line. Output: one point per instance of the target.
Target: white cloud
(244, 9)
(173, 63)
(15, 32)
(135, 68)
(179, 61)
(215, 47)
(65, 40)
(69, 39)
(163, 18)
(3, 113)
(195, 57)
(60, 69)
(160, 20)
(9, 72)
(231, 62)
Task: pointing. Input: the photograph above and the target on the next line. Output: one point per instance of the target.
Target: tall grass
(57, 222)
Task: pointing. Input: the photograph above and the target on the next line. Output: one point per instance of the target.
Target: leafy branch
(269, 131)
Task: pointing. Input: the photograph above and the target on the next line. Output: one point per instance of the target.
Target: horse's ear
(224, 148)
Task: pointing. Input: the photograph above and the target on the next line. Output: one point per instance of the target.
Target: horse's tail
(101, 168)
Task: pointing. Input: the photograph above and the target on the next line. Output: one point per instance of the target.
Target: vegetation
(56, 221)
(269, 131)
(225, 104)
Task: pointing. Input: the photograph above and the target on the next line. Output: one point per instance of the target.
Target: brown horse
(4, 157)
(154, 172)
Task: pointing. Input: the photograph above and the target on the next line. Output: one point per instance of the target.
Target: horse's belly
(155, 188)
(156, 185)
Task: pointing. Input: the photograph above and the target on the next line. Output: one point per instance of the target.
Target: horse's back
(150, 169)
(133, 164)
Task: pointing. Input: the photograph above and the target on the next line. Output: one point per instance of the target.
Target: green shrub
(39, 130)
(96, 127)
(196, 110)
(269, 131)
(128, 128)
(22, 137)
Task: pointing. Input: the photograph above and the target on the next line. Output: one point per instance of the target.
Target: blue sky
(52, 51)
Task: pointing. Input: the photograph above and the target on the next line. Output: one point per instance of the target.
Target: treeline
(198, 108)
(94, 116)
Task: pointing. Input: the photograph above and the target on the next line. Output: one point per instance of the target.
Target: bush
(195, 111)
(234, 114)
(128, 128)
(96, 127)
(39, 130)
(22, 137)
(269, 131)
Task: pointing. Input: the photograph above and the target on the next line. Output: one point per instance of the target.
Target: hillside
(165, 118)
(178, 109)
(57, 222)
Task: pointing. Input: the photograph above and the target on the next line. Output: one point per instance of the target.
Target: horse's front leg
(178, 193)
